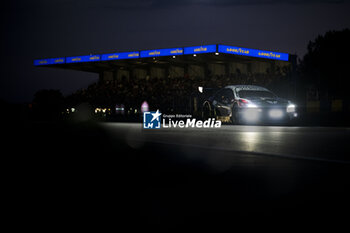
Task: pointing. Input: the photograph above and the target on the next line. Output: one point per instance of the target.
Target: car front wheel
(236, 118)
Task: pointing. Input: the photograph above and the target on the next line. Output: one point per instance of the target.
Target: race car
(240, 104)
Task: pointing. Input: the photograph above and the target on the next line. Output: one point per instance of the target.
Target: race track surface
(309, 143)
(88, 176)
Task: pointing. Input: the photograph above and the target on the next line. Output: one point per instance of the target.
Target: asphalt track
(103, 176)
(308, 143)
(255, 177)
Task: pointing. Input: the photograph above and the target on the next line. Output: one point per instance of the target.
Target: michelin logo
(151, 120)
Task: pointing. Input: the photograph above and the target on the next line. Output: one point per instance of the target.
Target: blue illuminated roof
(253, 52)
(49, 61)
(118, 56)
(167, 52)
(78, 59)
(162, 52)
(201, 49)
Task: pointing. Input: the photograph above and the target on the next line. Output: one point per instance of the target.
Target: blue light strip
(253, 52)
(167, 52)
(117, 56)
(50, 61)
(200, 49)
(77, 59)
(162, 52)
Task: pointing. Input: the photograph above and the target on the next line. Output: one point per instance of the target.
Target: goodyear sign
(77, 59)
(167, 52)
(253, 52)
(200, 49)
(117, 56)
(162, 52)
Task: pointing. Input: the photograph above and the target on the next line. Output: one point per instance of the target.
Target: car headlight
(291, 108)
(251, 114)
(251, 105)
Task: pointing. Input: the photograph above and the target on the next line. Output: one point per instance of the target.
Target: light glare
(251, 115)
(291, 108)
(276, 113)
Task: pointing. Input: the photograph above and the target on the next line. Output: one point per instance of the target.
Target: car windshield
(255, 93)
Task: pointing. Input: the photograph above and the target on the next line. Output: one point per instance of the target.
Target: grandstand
(167, 77)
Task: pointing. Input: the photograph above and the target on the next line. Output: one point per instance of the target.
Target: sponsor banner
(89, 58)
(200, 49)
(50, 61)
(162, 52)
(253, 52)
(168, 52)
(117, 56)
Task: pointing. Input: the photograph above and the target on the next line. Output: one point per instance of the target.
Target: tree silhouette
(326, 64)
(48, 104)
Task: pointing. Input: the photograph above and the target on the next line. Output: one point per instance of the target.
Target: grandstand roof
(176, 56)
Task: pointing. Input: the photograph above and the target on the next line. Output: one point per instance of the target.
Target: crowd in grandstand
(162, 93)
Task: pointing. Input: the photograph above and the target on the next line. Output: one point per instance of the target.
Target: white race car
(248, 104)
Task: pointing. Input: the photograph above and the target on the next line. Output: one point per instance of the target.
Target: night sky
(43, 29)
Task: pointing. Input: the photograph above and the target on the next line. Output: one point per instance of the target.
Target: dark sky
(53, 28)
